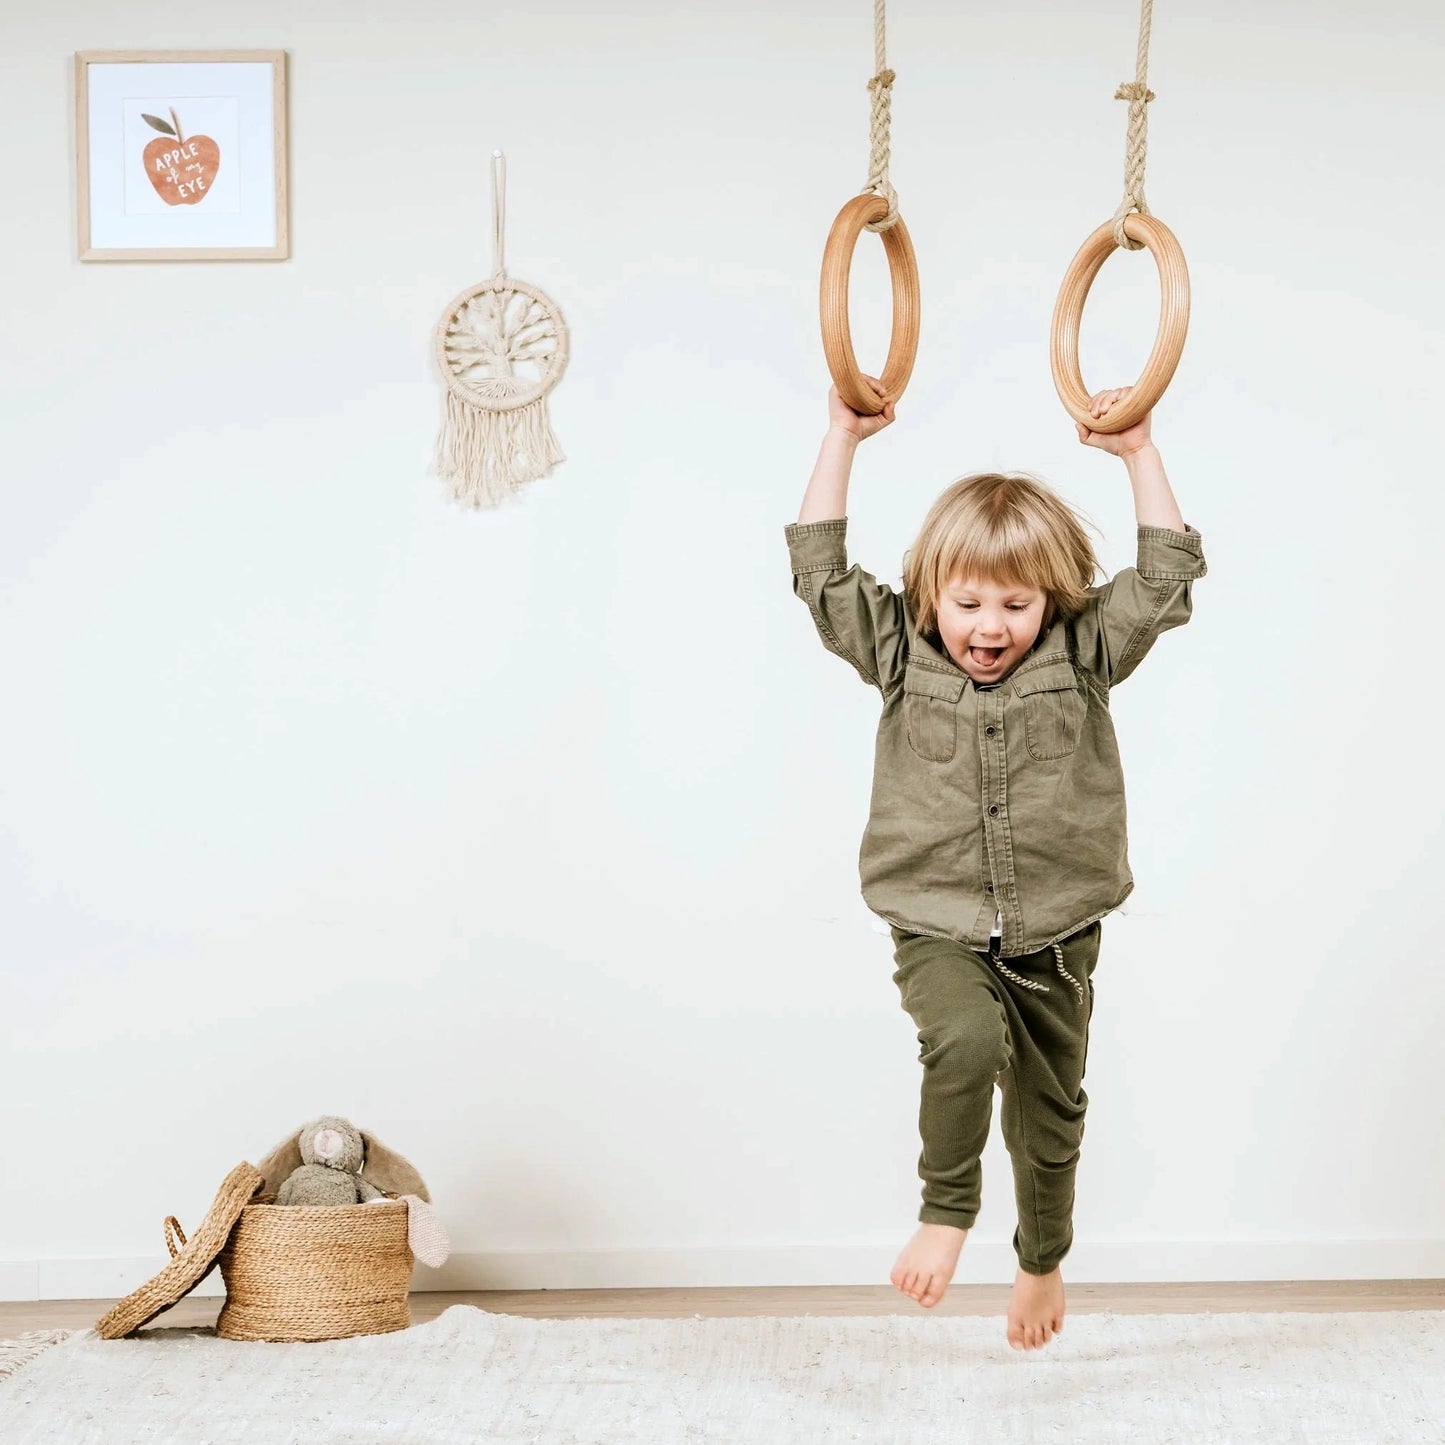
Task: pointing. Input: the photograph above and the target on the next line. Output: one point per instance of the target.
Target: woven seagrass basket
(303, 1272)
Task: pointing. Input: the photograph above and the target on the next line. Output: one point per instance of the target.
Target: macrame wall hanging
(501, 346)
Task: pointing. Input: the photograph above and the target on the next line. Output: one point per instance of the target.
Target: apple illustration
(181, 168)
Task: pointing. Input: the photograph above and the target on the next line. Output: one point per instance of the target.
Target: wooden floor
(962, 1299)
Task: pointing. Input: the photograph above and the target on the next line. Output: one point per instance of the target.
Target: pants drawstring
(1023, 982)
(1018, 978)
(1059, 964)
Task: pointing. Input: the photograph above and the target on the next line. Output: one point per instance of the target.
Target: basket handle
(173, 1233)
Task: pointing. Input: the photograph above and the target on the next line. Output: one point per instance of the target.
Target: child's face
(987, 627)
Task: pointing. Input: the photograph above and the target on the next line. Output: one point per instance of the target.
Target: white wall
(528, 838)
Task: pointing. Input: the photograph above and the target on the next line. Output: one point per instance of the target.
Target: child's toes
(932, 1293)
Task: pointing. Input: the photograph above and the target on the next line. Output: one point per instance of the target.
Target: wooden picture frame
(150, 186)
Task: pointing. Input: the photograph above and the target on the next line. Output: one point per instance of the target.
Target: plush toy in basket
(316, 1243)
(324, 1161)
(330, 1155)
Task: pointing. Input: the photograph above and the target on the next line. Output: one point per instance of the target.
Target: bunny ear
(281, 1163)
(425, 1234)
(389, 1171)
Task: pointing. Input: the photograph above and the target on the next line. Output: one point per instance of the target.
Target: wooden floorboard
(962, 1299)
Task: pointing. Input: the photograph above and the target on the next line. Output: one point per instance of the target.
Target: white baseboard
(986, 1261)
(19, 1279)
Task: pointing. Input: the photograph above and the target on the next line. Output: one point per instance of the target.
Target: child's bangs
(1009, 530)
(1003, 551)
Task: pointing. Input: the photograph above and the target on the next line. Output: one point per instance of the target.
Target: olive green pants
(976, 1028)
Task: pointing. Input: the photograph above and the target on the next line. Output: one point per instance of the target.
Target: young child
(996, 836)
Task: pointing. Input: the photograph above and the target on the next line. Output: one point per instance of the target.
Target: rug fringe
(16, 1354)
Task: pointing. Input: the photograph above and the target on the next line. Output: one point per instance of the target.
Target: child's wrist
(842, 431)
(1136, 455)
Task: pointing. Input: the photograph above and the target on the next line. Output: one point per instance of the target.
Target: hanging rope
(1090, 257)
(499, 211)
(1138, 94)
(860, 211)
(881, 89)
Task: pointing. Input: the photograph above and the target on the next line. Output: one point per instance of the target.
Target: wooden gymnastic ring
(833, 304)
(1168, 340)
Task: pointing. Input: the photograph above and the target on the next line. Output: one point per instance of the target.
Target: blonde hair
(1009, 529)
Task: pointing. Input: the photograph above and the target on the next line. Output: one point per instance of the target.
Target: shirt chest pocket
(1054, 710)
(930, 713)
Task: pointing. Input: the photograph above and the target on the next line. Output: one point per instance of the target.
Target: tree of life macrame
(501, 347)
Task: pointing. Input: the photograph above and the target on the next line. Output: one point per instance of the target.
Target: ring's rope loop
(881, 89)
(1138, 94)
(499, 211)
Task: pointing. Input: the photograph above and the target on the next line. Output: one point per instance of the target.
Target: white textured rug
(1224, 1379)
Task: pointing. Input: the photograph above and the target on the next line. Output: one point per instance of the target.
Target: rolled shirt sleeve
(857, 617)
(1123, 618)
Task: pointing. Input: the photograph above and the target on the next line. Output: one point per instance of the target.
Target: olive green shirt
(1007, 798)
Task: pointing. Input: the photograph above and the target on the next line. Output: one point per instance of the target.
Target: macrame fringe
(15, 1354)
(490, 455)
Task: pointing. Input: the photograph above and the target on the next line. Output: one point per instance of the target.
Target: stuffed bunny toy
(330, 1161)
(332, 1153)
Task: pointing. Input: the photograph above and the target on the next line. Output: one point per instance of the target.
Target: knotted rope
(1138, 94)
(881, 89)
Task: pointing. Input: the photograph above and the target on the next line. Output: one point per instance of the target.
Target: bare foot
(1035, 1309)
(928, 1261)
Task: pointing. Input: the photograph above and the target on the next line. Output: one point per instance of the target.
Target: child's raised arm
(827, 494)
(1154, 504)
(1126, 616)
(857, 617)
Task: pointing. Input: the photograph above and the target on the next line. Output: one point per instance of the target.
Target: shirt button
(990, 731)
(993, 810)
(988, 887)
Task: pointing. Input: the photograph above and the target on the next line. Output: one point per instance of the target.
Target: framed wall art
(181, 155)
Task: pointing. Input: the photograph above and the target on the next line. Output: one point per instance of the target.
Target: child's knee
(971, 1043)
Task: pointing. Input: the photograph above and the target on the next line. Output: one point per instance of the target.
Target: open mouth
(985, 656)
